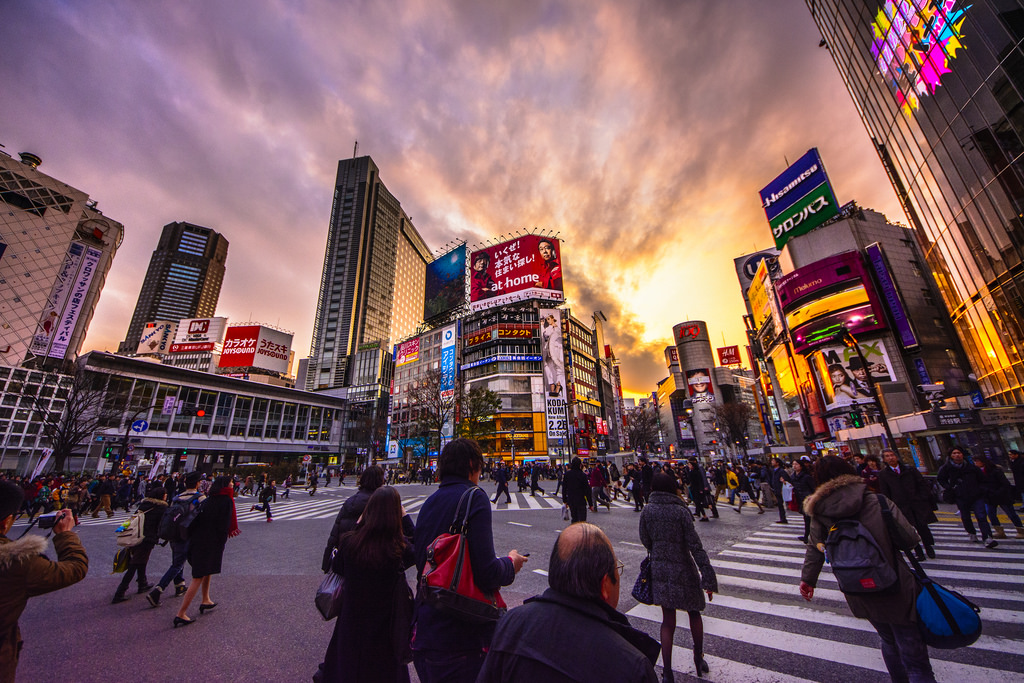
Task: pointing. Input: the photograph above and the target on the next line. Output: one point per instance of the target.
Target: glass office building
(939, 87)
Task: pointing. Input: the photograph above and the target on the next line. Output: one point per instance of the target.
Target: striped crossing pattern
(760, 629)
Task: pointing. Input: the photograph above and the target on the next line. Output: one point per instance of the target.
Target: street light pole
(851, 342)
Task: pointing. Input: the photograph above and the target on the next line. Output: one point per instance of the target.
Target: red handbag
(447, 582)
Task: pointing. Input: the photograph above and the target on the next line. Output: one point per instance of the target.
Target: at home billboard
(256, 346)
(799, 200)
(528, 267)
(445, 283)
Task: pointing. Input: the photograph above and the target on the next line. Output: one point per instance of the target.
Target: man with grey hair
(531, 643)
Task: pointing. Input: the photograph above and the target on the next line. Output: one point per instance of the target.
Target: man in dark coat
(104, 491)
(906, 487)
(584, 578)
(445, 648)
(1017, 468)
(501, 478)
(963, 479)
(534, 479)
(576, 491)
(777, 475)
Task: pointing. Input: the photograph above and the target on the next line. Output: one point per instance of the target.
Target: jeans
(448, 667)
(264, 508)
(993, 513)
(732, 496)
(179, 551)
(905, 654)
(978, 508)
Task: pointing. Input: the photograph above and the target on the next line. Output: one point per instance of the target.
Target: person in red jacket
(597, 484)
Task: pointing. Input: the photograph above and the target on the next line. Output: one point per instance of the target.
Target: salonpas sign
(799, 200)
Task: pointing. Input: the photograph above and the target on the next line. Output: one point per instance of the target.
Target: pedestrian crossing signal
(857, 418)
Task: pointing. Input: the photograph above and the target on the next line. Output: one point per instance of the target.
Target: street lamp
(851, 342)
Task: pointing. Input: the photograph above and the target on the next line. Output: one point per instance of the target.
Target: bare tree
(432, 409)
(641, 428)
(734, 421)
(477, 409)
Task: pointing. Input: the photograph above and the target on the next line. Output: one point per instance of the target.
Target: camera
(50, 518)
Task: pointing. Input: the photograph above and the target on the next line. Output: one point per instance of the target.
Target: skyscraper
(55, 250)
(371, 289)
(183, 281)
(939, 86)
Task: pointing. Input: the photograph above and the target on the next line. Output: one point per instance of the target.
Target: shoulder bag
(328, 598)
(447, 583)
(643, 589)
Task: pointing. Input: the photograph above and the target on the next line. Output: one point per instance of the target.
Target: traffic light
(108, 452)
(857, 418)
(192, 411)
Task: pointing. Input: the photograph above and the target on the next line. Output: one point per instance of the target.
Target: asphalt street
(266, 628)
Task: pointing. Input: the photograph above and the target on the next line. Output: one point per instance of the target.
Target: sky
(641, 132)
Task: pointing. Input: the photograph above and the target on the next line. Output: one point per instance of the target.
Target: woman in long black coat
(803, 487)
(371, 636)
(208, 534)
(681, 572)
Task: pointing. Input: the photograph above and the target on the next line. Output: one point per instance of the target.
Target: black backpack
(174, 525)
(857, 560)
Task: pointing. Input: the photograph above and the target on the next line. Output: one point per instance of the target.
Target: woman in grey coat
(680, 570)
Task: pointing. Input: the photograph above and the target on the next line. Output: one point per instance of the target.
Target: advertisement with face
(528, 267)
(699, 385)
(843, 377)
(553, 364)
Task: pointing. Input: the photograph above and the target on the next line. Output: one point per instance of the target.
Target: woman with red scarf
(208, 534)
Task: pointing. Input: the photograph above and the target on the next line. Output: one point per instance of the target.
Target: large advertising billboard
(256, 346)
(746, 268)
(799, 200)
(59, 294)
(445, 284)
(76, 301)
(890, 294)
(449, 339)
(698, 383)
(407, 352)
(843, 377)
(198, 334)
(553, 364)
(528, 267)
(156, 337)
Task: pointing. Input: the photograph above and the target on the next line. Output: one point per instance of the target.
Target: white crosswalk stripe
(760, 614)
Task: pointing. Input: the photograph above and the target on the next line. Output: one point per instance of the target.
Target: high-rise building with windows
(939, 85)
(371, 289)
(184, 278)
(56, 248)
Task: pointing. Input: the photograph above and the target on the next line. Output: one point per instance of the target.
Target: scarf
(233, 530)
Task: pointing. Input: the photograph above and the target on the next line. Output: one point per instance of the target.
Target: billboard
(842, 376)
(698, 382)
(553, 364)
(256, 346)
(445, 285)
(799, 200)
(746, 268)
(528, 267)
(729, 355)
(407, 352)
(156, 337)
(902, 324)
(198, 334)
(65, 327)
(59, 294)
(449, 336)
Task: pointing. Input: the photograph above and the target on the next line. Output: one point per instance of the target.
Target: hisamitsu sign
(799, 200)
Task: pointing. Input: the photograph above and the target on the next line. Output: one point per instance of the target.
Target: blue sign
(977, 398)
(793, 185)
(140, 426)
(893, 301)
(922, 371)
(504, 359)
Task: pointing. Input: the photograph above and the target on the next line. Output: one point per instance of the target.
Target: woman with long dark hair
(681, 573)
(208, 534)
(372, 559)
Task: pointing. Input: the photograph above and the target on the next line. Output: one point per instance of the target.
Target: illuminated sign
(528, 267)
(729, 355)
(256, 346)
(407, 352)
(914, 43)
(506, 358)
(799, 200)
(445, 283)
(890, 294)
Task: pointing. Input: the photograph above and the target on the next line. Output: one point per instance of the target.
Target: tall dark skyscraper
(371, 290)
(183, 281)
(939, 85)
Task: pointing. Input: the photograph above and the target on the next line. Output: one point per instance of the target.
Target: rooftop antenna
(355, 149)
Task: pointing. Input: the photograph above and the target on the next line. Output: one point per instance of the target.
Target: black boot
(699, 664)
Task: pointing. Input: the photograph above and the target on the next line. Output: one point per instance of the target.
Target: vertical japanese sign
(449, 335)
(76, 301)
(553, 363)
(58, 298)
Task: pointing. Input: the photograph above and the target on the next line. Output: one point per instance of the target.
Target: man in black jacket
(576, 491)
(104, 491)
(501, 478)
(1017, 468)
(777, 475)
(584, 578)
(906, 487)
(963, 480)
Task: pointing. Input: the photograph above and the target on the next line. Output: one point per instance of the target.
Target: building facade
(940, 89)
(183, 280)
(56, 248)
(371, 288)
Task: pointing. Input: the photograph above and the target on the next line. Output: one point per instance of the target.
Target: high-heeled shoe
(667, 676)
(203, 608)
(700, 664)
(178, 621)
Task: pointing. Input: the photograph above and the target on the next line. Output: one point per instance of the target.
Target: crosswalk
(760, 629)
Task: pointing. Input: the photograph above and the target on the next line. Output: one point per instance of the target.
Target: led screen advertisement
(445, 285)
(843, 377)
(256, 346)
(699, 386)
(799, 200)
(528, 267)
(553, 364)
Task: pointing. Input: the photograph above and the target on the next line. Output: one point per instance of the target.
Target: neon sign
(915, 40)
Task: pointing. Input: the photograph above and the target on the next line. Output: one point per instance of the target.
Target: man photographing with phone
(25, 572)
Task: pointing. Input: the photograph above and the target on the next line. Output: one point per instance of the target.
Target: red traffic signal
(200, 412)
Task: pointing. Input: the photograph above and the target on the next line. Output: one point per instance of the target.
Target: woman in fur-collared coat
(681, 572)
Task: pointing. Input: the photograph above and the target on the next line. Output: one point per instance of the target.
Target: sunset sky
(642, 131)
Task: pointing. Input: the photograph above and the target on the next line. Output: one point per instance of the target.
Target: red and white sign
(198, 334)
(528, 267)
(408, 352)
(729, 355)
(256, 346)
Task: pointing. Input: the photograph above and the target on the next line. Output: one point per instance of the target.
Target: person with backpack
(962, 483)
(848, 524)
(181, 508)
(152, 509)
(267, 494)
